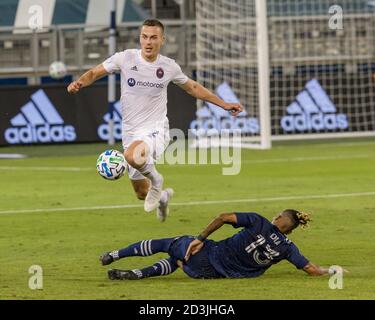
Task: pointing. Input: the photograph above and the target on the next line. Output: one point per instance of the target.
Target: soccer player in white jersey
(145, 75)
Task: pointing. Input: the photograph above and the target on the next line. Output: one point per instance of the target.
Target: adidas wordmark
(313, 110)
(39, 121)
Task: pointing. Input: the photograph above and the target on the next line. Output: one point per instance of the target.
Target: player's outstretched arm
(198, 91)
(87, 78)
(197, 244)
(315, 270)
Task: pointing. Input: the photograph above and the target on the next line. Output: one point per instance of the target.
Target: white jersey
(144, 89)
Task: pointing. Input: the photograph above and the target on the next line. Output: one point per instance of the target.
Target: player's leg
(138, 156)
(161, 268)
(142, 248)
(198, 265)
(153, 146)
(160, 142)
(163, 208)
(141, 187)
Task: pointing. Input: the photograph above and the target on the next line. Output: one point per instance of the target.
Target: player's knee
(129, 157)
(133, 159)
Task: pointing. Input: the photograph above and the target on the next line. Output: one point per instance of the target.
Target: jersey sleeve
(295, 257)
(246, 219)
(178, 76)
(113, 63)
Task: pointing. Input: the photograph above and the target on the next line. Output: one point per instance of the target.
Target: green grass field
(62, 220)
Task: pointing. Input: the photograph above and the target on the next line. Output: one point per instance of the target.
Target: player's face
(282, 222)
(151, 40)
(276, 218)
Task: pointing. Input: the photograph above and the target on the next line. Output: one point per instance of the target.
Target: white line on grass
(296, 159)
(336, 144)
(274, 160)
(194, 203)
(45, 168)
(359, 156)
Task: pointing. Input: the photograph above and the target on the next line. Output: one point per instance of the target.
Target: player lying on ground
(145, 75)
(247, 254)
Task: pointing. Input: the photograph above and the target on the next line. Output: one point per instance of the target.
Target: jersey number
(268, 252)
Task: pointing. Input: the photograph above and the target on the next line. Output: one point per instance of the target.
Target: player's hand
(337, 269)
(75, 86)
(194, 247)
(233, 108)
(180, 264)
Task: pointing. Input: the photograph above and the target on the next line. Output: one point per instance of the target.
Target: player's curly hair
(298, 218)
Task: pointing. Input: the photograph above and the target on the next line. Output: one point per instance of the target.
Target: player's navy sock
(160, 268)
(144, 248)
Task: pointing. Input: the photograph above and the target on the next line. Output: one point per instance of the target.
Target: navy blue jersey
(250, 252)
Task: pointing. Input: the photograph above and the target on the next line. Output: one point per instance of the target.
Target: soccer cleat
(108, 257)
(153, 196)
(163, 209)
(116, 274)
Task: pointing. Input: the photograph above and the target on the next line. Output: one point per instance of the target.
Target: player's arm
(197, 244)
(198, 91)
(315, 270)
(87, 78)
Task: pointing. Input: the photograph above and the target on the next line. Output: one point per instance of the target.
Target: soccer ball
(57, 70)
(111, 164)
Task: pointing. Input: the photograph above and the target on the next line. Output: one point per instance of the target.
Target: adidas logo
(134, 68)
(38, 121)
(103, 130)
(313, 110)
(211, 117)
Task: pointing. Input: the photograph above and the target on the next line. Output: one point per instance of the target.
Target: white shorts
(157, 139)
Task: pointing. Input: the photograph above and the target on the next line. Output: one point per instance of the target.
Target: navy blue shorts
(198, 265)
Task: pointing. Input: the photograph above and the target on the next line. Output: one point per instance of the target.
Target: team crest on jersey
(160, 73)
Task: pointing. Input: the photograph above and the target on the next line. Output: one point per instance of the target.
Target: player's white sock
(163, 210)
(154, 194)
(149, 171)
(164, 197)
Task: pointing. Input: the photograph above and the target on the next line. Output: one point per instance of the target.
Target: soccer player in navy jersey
(247, 254)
